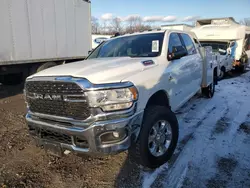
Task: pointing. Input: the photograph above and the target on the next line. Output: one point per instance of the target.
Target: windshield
(216, 46)
(143, 45)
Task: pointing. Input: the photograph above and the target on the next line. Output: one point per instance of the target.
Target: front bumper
(91, 134)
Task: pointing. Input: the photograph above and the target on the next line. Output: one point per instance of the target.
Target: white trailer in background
(181, 27)
(38, 34)
(227, 37)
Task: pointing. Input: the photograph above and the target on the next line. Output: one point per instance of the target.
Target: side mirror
(90, 51)
(232, 44)
(178, 52)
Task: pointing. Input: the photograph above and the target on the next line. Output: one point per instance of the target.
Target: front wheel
(157, 139)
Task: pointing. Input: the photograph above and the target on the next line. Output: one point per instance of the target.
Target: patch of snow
(182, 178)
(240, 118)
(211, 126)
(149, 177)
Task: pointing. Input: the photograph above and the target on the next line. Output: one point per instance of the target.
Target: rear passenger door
(193, 65)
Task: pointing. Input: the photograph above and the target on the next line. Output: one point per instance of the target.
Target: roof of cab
(152, 31)
(144, 32)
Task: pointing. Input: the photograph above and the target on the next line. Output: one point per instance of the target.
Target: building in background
(182, 27)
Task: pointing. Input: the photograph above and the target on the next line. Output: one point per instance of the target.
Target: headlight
(113, 99)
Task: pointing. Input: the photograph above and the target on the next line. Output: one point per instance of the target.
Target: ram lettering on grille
(64, 99)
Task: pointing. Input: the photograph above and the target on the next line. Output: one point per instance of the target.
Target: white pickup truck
(123, 96)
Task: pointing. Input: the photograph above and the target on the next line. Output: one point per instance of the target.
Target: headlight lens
(113, 99)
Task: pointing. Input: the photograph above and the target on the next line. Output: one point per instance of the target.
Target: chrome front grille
(57, 98)
(49, 87)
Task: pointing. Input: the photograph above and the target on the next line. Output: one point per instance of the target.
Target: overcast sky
(171, 10)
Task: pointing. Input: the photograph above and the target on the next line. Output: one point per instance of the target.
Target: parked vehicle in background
(227, 37)
(98, 39)
(39, 34)
(181, 27)
(225, 58)
(123, 96)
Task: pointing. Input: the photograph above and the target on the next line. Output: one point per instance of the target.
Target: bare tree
(104, 27)
(150, 23)
(116, 24)
(134, 23)
(145, 27)
(245, 21)
(95, 25)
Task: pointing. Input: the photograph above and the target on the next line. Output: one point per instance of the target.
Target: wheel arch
(223, 68)
(160, 98)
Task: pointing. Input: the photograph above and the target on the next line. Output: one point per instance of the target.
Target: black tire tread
(46, 66)
(135, 151)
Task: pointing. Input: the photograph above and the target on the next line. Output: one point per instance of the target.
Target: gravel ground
(213, 149)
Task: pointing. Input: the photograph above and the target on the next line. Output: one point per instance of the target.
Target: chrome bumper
(91, 133)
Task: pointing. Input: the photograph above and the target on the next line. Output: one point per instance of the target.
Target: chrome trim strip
(80, 129)
(91, 119)
(85, 84)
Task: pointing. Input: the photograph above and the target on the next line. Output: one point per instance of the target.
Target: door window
(188, 44)
(174, 40)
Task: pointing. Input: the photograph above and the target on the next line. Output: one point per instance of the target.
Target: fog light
(66, 152)
(116, 134)
(113, 137)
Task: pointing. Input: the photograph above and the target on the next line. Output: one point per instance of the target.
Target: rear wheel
(157, 139)
(209, 91)
(243, 65)
(242, 69)
(12, 79)
(46, 66)
(222, 73)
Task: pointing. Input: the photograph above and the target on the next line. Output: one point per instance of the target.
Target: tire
(222, 74)
(46, 66)
(12, 79)
(209, 91)
(242, 69)
(140, 151)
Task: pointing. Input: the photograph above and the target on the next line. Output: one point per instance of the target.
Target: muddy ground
(207, 156)
(22, 164)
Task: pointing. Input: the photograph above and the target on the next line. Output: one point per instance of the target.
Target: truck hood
(101, 70)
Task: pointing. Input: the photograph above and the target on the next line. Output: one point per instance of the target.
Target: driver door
(176, 74)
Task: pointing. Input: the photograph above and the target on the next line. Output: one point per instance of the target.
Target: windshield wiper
(139, 56)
